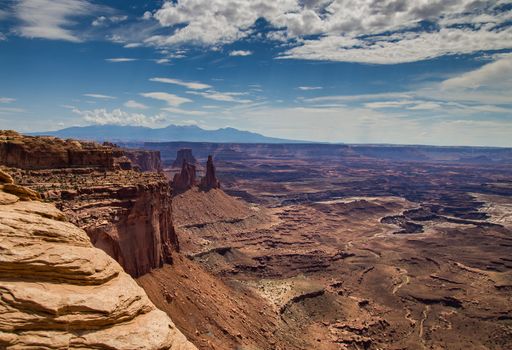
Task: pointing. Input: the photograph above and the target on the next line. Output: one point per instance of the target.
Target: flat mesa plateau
(370, 247)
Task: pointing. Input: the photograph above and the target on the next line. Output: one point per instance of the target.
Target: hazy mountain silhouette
(170, 133)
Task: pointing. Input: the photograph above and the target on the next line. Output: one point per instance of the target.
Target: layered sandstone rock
(209, 181)
(186, 178)
(50, 152)
(145, 160)
(184, 154)
(59, 292)
(125, 213)
(39, 152)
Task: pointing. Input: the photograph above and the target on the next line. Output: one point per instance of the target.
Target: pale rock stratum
(59, 292)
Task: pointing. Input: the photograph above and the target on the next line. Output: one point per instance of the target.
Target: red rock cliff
(186, 178)
(145, 160)
(126, 213)
(184, 154)
(209, 181)
(36, 152)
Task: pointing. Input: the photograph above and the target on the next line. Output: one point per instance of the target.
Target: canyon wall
(125, 212)
(59, 292)
(145, 160)
(50, 152)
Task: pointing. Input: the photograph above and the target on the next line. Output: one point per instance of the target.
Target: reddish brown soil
(359, 253)
(214, 315)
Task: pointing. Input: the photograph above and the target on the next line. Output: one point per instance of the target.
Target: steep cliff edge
(59, 292)
(125, 212)
(145, 160)
(40, 152)
(184, 154)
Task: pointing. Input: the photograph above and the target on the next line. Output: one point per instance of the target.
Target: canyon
(283, 246)
(58, 291)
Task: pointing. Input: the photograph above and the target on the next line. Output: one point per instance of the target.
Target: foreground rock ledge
(59, 292)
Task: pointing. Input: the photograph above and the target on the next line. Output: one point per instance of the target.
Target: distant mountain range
(116, 133)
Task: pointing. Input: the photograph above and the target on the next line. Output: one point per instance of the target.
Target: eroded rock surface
(186, 178)
(59, 292)
(34, 152)
(145, 160)
(209, 181)
(125, 213)
(184, 154)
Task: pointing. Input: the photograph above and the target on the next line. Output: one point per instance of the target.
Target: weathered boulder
(5, 178)
(59, 292)
(209, 181)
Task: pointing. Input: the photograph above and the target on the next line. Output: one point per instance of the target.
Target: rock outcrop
(209, 181)
(125, 213)
(37, 152)
(184, 154)
(145, 160)
(40, 152)
(59, 292)
(185, 179)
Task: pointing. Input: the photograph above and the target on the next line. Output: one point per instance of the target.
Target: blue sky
(358, 71)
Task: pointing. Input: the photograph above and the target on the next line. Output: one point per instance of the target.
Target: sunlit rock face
(59, 291)
(126, 212)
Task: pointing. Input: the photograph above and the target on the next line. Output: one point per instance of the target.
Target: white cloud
(2, 37)
(368, 31)
(118, 117)
(50, 19)
(7, 99)
(221, 96)
(170, 99)
(357, 124)
(497, 74)
(240, 53)
(132, 45)
(214, 22)
(187, 84)
(100, 96)
(135, 105)
(118, 18)
(183, 111)
(309, 88)
(401, 48)
(120, 59)
(11, 110)
(162, 60)
(102, 21)
(361, 97)
(424, 106)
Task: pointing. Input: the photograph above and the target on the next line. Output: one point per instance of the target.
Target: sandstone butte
(184, 154)
(186, 178)
(59, 292)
